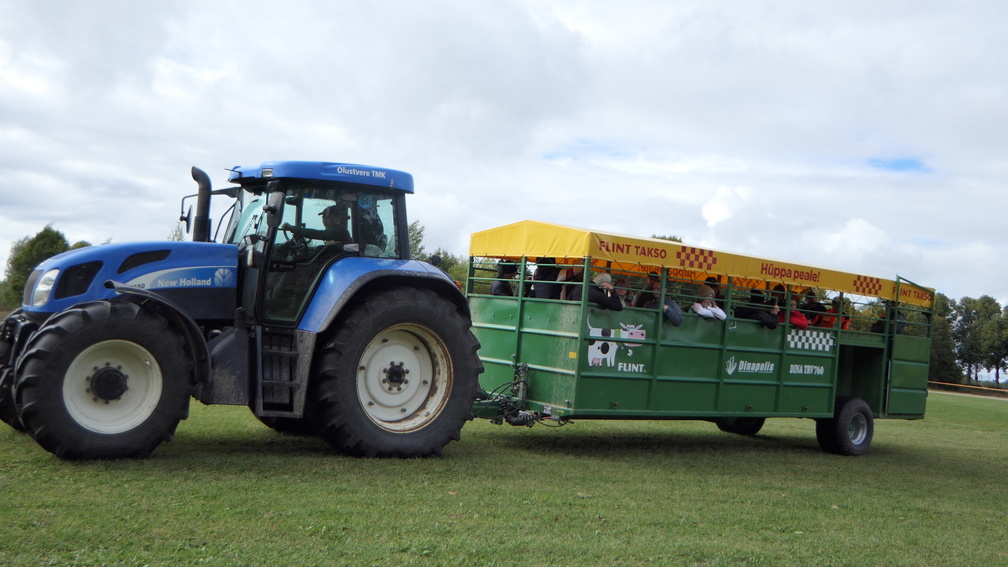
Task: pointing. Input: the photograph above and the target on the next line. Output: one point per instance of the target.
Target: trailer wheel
(850, 431)
(105, 379)
(748, 426)
(398, 376)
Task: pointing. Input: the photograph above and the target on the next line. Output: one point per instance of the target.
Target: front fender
(192, 335)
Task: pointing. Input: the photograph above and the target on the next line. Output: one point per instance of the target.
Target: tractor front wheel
(105, 379)
(8, 410)
(398, 376)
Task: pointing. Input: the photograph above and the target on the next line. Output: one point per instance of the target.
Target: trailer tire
(397, 377)
(748, 426)
(105, 379)
(849, 432)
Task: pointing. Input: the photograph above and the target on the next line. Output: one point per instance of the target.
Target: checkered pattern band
(696, 258)
(810, 340)
(867, 286)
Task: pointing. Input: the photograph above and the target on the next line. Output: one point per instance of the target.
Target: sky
(862, 136)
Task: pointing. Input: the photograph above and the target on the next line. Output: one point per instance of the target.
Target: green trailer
(861, 353)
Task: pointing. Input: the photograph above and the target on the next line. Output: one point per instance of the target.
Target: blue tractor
(309, 311)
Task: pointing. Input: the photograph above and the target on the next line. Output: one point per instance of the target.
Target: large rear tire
(397, 377)
(105, 379)
(849, 432)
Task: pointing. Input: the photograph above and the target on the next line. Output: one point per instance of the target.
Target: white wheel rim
(858, 429)
(403, 378)
(143, 384)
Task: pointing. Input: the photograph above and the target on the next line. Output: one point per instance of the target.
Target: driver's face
(335, 218)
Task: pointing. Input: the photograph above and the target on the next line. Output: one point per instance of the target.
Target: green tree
(177, 234)
(943, 367)
(671, 238)
(455, 266)
(27, 253)
(994, 341)
(970, 318)
(416, 235)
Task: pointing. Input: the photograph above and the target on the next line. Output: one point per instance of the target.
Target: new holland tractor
(309, 311)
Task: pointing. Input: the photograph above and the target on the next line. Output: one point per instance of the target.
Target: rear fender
(350, 277)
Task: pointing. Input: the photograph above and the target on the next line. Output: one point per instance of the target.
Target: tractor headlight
(43, 288)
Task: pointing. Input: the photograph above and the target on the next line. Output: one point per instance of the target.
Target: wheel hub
(395, 376)
(109, 383)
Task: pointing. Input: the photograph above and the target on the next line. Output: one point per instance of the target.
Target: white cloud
(748, 128)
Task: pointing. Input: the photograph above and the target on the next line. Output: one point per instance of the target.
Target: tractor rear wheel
(398, 376)
(105, 379)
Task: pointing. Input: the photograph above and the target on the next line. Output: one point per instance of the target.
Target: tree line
(969, 338)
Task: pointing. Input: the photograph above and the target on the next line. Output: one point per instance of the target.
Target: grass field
(229, 491)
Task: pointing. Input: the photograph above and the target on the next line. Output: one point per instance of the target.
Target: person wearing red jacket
(794, 316)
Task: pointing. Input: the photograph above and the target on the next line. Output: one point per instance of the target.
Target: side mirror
(274, 209)
(186, 217)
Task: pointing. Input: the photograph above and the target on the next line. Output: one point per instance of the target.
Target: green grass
(229, 491)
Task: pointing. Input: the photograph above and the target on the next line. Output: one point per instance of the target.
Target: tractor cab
(295, 219)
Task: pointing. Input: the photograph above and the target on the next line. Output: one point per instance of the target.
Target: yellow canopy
(619, 252)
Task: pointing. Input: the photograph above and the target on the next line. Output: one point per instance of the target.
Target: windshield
(247, 215)
(318, 216)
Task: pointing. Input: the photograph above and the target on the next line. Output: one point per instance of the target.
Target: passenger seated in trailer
(714, 283)
(672, 311)
(756, 311)
(600, 292)
(622, 287)
(889, 314)
(502, 285)
(794, 316)
(812, 308)
(706, 306)
(669, 307)
(650, 293)
(544, 284)
(828, 319)
(569, 279)
(778, 296)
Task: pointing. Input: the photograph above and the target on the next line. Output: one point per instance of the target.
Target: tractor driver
(334, 219)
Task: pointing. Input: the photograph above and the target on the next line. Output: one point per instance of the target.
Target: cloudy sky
(869, 137)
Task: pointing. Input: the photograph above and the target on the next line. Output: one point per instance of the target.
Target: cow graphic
(601, 351)
(628, 331)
